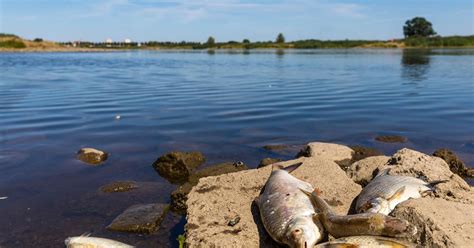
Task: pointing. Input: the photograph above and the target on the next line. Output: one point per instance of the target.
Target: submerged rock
(177, 166)
(391, 139)
(268, 161)
(361, 152)
(285, 150)
(180, 195)
(119, 186)
(91, 156)
(456, 165)
(275, 147)
(140, 218)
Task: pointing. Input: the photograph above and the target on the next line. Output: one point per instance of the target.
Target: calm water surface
(226, 105)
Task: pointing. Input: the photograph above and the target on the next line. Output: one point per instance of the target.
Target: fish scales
(286, 212)
(389, 190)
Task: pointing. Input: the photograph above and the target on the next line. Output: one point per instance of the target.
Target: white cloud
(348, 9)
(191, 10)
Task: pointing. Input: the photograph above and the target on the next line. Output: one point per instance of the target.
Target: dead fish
(286, 212)
(93, 242)
(359, 224)
(365, 242)
(385, 192)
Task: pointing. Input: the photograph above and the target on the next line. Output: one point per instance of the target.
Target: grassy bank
(10, 42)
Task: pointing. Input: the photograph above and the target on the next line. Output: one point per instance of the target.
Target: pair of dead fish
(289, 216)
(386, 191)
(84, 241)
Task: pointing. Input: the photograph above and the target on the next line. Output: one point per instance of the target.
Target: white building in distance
(109, 41)
(128, 41)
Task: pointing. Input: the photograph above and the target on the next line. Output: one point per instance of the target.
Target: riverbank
(12, 43)
(443, 219)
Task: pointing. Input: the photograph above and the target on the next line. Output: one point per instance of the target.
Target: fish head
(376, 205)
(303, 233)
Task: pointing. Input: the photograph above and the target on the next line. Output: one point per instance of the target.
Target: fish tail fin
(288, 169)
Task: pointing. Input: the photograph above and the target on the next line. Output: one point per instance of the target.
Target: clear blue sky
(177, 20)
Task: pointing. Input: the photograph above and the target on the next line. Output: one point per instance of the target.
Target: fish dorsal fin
(288, 169)
(398, 194)
(86, 234)
(435, 182)
(383, 172)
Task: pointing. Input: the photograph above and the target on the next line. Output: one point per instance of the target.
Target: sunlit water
(226, 105)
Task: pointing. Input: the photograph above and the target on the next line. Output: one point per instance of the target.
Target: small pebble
(117, 117)
(234, 222)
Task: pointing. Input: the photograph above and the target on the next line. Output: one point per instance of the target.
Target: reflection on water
(280, 52)
(415, 64)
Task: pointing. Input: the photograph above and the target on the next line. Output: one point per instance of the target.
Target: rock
(274, 147)
(470, 172)
(268, 161)
(440, 223)
(363, 171)
(140, 218)
(391, 139)
(103, 206)
(334, 152)
(180, 195)
(119, 186)
(284, 150)
(412, 163)
(455, 164)
(216, 200)
(91, 156)
(177, 166)
(361, 152)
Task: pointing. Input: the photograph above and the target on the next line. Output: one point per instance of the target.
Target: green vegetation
(280, 38)
(418, 27)
(4, 35)
(449, 41)
(11, 42)
(211, 41)
(182, 240)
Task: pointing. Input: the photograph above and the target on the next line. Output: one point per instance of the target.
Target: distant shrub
(38, 40)
(449, 41)
(8, 35)
(12, 44)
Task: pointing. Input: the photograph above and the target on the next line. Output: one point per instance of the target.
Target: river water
(226, 104)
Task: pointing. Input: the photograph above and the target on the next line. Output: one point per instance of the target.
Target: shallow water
(226, 105)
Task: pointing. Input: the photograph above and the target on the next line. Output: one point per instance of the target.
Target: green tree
(246, 41)
(211, 41)
(418, 27)
(280, 38)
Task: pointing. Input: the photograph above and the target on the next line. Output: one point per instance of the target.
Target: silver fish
(286, 212)
(385, 192)
(365, 242)
(359, 224)
(93, 242)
